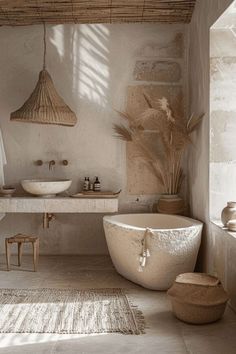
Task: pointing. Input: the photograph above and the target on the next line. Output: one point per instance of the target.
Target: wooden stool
(20, 239)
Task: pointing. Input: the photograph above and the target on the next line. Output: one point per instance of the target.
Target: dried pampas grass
(171, 137)
(122, 132)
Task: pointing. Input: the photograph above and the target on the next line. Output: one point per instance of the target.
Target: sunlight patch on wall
(92, 64)
(228, 19)
(58, 39)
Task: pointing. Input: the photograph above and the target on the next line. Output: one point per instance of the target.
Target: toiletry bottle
(86, 184)
(91, 186)
(97, 185)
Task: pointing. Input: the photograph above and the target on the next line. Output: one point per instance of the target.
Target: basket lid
(202, 279)
(198, 289)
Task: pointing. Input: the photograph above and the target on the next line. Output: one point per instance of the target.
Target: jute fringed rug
(68, 311)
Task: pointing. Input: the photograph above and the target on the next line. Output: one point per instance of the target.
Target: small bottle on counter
(91, 186)
(97, 185)
(86, 184)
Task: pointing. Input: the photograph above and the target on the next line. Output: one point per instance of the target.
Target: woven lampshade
(45, 106)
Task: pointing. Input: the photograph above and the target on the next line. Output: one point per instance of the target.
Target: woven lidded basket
(197, 298)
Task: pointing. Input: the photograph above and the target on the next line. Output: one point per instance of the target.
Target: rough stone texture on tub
(173, 243)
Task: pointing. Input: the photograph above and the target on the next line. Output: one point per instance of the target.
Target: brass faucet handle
(65, 162)
(39, 162)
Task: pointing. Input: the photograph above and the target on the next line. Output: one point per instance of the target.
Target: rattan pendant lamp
(45, 106)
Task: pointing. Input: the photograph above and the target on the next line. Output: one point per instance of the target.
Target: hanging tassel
(143, 262)
(140, 269)
(145, 251)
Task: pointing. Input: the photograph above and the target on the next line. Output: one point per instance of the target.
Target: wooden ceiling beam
(29, 12)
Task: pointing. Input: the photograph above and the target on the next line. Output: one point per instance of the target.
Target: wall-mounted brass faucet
(51, 164)
(39, 162)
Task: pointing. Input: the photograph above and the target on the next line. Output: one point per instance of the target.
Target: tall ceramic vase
(171, 204)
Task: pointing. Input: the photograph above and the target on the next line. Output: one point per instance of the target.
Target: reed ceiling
(29, 12)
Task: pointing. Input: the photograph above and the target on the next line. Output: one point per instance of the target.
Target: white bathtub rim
(110, 219)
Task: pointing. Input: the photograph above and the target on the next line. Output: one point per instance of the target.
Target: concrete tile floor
(165, 334)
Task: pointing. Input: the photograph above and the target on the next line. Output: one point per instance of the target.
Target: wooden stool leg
(19, 253)
(35, 254)
(8, 254)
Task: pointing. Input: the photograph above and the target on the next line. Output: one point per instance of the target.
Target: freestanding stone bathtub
(169, 244)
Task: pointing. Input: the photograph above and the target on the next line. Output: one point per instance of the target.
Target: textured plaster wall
(158, 72)
(222, 112)
(224, 253)
(217, 253)
(205, 14)
(139, 177)
(93, 68)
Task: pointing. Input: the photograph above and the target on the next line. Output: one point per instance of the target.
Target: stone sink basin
(46, 187)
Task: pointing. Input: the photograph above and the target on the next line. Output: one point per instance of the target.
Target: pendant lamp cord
(44, 46)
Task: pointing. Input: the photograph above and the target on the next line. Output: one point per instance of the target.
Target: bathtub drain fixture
(145, 250)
